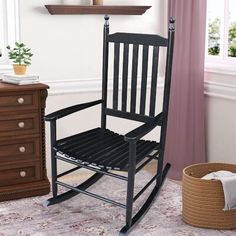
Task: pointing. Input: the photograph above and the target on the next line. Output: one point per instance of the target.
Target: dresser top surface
(5, 87)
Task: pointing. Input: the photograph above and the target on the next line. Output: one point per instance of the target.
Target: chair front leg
(130, 185)
(160, 167)
(53, 158)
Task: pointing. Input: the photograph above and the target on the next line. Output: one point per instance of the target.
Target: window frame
(222, 63)
(9, 29)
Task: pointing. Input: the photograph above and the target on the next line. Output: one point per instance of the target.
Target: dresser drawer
(19, 174)
(19, 124)
(21, 149)
(19, 101)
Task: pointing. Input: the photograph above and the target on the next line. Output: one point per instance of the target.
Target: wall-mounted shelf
(112, 10)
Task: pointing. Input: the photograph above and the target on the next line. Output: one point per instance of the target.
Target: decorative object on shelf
(96, 9)
(21, 56)
(70, 2)
(20, 79)
(97, 2)
(22, 141)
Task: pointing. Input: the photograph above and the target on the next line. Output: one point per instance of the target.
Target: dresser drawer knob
(20, 100)
(21, 124)
(22, 174)
(22, 149)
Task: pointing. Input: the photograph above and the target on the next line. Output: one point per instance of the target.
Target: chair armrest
(69, 110)
(142, 130)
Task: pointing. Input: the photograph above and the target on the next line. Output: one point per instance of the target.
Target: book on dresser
(20, 79)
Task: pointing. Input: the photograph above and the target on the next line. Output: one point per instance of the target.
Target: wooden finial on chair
(172, 24)
(106, 17)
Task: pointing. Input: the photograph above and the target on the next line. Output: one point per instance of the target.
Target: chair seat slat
(109, 151)
(74, 137)
(81, 145)
(104, 151)
(104, 142)
(141, 155)
(82, 139)
(116, 155)
(106, 159)
(125, 155)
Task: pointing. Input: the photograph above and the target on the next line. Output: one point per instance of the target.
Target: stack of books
(20, 79)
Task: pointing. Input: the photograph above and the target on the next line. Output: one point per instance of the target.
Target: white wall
(70, 46)
(221, 117)
(67, 55)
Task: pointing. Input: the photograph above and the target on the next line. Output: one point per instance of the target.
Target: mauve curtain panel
(185, 143)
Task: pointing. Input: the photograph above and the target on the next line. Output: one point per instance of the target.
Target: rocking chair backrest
(135, 42)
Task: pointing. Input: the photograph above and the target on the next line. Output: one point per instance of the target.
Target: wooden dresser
(22, 141)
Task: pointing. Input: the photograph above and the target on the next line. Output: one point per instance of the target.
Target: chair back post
(166, 98)
(105, 71)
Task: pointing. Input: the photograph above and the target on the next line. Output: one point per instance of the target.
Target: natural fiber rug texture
(85, 216)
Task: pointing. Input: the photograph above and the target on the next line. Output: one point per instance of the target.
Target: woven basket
(203, 200)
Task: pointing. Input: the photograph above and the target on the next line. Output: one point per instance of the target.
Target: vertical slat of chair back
(137, 102)
(134, 78)
(116, 76)
(144, 79)
(154, 81)
(125, 77)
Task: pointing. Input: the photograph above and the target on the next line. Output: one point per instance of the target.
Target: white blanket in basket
(228, 180)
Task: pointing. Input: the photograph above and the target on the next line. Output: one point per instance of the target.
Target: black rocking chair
(101, 150)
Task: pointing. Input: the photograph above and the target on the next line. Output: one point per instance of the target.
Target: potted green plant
(21, 56)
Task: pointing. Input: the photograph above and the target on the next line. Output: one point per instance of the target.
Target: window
(9, 27)
(221, 33)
